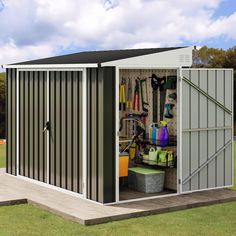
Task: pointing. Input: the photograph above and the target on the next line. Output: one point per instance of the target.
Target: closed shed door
(52, 155)
(207, 105)
(32, 117)
(65, 115)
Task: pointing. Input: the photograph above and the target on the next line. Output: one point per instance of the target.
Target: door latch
(46, 127)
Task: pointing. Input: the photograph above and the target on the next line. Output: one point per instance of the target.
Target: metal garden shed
(63, 121)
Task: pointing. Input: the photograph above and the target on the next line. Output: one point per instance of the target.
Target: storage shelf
(172, 142)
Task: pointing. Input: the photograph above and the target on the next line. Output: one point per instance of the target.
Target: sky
(32, 29)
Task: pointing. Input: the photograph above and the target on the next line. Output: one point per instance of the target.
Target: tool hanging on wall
(144, 102)
(156, 82)
(136, 95)
(168, 107)
(129, 95)
(170, 83)
(122, 95)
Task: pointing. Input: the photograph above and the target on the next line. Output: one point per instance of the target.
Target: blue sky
(33, 29)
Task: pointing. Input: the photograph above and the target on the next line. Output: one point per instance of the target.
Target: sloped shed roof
(97, 56)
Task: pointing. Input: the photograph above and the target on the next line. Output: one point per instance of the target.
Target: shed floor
(127, 194)
(14, 191)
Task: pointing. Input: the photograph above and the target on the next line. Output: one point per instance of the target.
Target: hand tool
(144, 103)
(156, 82)
(136, 95)
(129, 95)
(169, 107)
(122, 95)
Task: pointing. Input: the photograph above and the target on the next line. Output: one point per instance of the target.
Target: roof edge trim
(48, 66)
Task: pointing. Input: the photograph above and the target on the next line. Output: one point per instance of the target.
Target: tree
(217, 58)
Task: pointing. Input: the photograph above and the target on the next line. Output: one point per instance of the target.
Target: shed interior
(147, 133)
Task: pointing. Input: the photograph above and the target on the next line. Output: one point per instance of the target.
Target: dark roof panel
(96, 56)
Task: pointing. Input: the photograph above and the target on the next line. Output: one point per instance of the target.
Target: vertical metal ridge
(33, 126)
(60, 130)
(224, 130)
(9, 143)
(72, 133)
(198, 133)
(48, 132)
(216, 126)
(19, 126)
(190, 125)
(97, 138)
(66, 127)
(28, 124)
(55, 131)
(39, 139)
(207, 130)
(6, 118)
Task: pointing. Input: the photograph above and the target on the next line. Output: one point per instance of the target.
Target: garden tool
(170, 83)
(132, 151)
(169, 107)
(122, 95)
(172, 96)
(144, 103)
(136, 95)
(156, 82)
(129, 95)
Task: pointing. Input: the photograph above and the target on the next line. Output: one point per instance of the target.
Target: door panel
(207, 128)
(32, 117)
(65, 116)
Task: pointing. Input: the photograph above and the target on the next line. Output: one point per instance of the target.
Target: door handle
(46, 127)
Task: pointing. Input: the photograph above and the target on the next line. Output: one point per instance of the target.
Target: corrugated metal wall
(65, 116)
(66, 130)
(32, 117)
(101, 134)
(198, 111)
(11, 122)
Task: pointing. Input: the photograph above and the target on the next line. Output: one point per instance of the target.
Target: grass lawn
(212, 220)
(2, 156)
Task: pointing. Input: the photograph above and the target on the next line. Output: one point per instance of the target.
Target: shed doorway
(50, 124)
(147, 153)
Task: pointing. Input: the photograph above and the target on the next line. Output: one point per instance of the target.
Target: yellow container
(123, 165)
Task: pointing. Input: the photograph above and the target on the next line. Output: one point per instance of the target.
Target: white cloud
(40, 28)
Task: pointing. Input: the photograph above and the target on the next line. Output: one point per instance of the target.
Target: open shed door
(207, 140)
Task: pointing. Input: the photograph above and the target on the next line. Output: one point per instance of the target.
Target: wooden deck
(17, 191)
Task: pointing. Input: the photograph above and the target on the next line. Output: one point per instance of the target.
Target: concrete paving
(17, 191)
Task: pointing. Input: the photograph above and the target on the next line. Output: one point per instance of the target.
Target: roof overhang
(50, 66)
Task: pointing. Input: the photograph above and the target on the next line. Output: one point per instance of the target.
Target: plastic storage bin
(146, 180)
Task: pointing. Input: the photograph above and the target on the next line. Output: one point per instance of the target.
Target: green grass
(234, 166)
(2, 155)
(29, 220)
(212, 220)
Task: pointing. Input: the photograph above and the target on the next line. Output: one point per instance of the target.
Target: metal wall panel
(11, 122)
(32, 117)
(206, 129)
(65, 157)
(101, 134)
